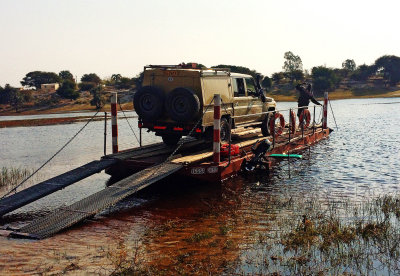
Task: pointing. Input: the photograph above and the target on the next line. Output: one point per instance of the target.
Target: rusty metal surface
(65, 217)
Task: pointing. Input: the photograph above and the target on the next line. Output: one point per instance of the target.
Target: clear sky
(121, 36)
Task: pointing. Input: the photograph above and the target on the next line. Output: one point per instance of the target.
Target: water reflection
(193, 220)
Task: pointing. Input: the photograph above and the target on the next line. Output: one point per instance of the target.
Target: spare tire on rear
(149, 102)
(182, 104)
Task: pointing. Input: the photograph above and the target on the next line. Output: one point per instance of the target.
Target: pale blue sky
(120, 36)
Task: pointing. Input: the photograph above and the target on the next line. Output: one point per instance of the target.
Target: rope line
(333, 115)
(45, 163)
(120, 107)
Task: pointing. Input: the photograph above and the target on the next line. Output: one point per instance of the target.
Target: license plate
(171, 73)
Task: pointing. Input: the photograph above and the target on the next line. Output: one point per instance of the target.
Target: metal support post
(290, 123)
(140, 136)
(105, 133)
(313, 126)
(114, 122)
(325, 117)
(217, 129)
(273, 132)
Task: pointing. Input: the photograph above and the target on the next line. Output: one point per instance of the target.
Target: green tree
(98, 99)
(13, 96)
(349, 65)
(67, 90)
(298, 75)
(17, 99)
(278, 77)
(66, 75)
(125, 83)
(3, 96)
(37, 78)
(138, 80)
(390, 67)
(324, 79)
(116, 78)
(266, 83)
(92, 77)
(363, 72)
(86, 86)
(292, 65)
(89, 81)
(239, 69)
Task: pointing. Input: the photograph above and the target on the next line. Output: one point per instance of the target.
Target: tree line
(69, 88)
(323, 78)
(327, 79)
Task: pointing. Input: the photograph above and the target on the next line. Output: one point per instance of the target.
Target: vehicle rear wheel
(171, 139)
(182, 104)
(225, 130)
(149, 102)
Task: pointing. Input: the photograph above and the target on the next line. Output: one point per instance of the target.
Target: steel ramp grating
(65, 217)
(52, 185)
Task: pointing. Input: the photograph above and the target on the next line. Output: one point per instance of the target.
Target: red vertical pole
(325, 117)
(114, 124)
(217, 129)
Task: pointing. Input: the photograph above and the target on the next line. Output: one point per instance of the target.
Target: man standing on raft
(306, 95)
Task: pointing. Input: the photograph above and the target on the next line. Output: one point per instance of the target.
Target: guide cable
(45, 163)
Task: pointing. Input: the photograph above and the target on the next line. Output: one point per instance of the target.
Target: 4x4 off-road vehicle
(173, 99)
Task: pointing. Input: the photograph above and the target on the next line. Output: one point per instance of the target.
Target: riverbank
(279, 97)
(74, 107)
(341, 95)
(63, 108)
(57, 110)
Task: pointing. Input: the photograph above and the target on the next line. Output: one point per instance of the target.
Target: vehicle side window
(238, 88)
(250, 85)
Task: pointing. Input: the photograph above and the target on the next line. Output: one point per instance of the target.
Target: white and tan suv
(173, 99)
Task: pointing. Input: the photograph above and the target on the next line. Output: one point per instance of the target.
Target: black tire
(171, 139)
(182, 104)
(265, 126)
(225, 130)
(149, 102)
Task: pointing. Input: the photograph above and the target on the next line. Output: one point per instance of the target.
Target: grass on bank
(307, 237)
(12, 176)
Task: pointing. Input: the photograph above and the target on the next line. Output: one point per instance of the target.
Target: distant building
(49, 87)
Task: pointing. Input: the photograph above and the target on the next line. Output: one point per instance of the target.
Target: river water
(359, 160)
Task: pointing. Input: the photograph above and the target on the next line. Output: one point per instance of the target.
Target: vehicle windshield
(250, 84)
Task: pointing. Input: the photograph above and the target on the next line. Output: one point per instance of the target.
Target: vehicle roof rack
(187, 66)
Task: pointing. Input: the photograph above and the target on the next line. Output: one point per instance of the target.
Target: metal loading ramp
(65, 217)
(52, 185)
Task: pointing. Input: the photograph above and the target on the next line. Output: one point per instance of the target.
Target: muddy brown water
(182, 225)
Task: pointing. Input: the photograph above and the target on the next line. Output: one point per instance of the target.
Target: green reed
(12, 176)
